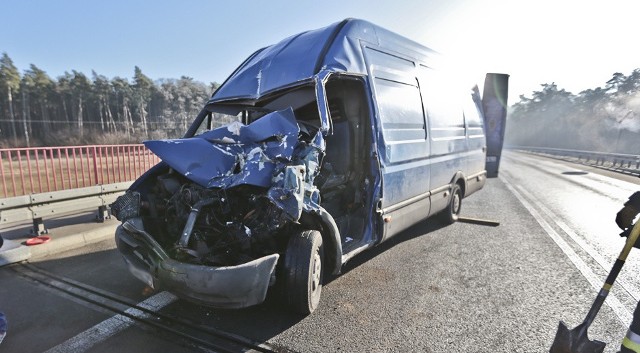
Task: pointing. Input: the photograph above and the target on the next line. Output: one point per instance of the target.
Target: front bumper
(223, 287)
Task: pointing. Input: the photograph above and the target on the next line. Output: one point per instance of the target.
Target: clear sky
(577, 44)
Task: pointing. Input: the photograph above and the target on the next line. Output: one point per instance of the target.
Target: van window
(442, 103)
(398, 96)
(471, 113)
(400, 111)
(472, 117)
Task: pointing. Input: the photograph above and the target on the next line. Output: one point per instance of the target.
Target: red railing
(26, 171)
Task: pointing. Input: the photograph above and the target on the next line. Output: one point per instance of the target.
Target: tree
(102, 93)
(38, 110)
(123, 99)
(597, 119)
(142, 91)
(40, 90)
(64, 95)
(80, 86)
(9, 83)
(544, 119)
(613, 85)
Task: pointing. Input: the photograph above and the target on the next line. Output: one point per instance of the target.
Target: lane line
(604, 263)
(612, 301)
(108, 328)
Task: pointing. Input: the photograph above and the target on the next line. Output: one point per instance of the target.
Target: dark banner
(494, 106)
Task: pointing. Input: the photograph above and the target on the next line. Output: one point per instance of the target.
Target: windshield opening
(301, 99)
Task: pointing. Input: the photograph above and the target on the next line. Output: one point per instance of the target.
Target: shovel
(576, 340)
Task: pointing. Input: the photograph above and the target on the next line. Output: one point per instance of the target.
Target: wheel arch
(321, 220)
(461, 180)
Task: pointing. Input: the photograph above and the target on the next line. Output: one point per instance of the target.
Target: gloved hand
(625, 216)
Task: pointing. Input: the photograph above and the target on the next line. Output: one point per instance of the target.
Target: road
(434, 288)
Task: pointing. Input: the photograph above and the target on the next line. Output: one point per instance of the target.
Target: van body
(313, 150)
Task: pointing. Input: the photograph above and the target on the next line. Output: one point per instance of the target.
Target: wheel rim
(455, 203)
(316, 271)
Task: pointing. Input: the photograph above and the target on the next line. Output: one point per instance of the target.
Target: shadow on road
(105, 269)
(421, 229)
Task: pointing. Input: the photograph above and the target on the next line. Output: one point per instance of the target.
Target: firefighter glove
(626, 215)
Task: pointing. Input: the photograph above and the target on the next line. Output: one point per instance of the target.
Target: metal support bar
(38, 227)
(624, 163)
(103, 213)
(35, 207)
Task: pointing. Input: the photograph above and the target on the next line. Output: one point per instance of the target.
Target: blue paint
(235, 154)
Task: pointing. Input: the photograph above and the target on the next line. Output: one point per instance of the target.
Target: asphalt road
(434, 288)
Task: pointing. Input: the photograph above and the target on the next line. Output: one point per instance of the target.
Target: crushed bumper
(224, 287)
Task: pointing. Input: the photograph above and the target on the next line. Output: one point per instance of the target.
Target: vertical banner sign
(494, 106)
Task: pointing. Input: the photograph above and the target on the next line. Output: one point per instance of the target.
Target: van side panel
(476, 142)
(402, 138)
(447, 134)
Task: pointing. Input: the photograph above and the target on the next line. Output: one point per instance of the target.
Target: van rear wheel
(452, 212)
(303, 270)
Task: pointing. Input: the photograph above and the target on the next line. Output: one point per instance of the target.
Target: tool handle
(615, 271)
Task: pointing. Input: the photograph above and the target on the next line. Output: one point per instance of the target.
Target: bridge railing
(624, 163)
(52, 181)
(25, 171)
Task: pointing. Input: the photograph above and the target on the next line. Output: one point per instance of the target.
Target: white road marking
(102, 331)
(618, 308)
(605, 264)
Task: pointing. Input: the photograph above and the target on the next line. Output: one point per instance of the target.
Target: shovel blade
(575, 341)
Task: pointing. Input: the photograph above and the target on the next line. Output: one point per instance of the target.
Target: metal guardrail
(622, 163)
(57, 203)
(51, 181)
(25, 171)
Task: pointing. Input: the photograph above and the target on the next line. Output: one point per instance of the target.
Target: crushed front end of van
(220, 208)
(313, 150)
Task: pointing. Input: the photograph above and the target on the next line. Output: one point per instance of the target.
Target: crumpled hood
(234, 154)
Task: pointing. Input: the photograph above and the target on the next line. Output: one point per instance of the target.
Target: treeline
(73, 109)
(605, 119)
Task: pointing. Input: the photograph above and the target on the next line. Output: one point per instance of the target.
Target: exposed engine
(233, 200)
(212, 226)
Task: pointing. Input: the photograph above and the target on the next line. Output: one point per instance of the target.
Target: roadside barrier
(41, 182)
(35, 207)
(622, 163)
(25, 171)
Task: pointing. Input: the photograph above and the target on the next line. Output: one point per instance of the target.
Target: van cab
(313, 150)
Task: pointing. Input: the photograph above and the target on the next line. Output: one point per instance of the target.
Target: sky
(578, 44)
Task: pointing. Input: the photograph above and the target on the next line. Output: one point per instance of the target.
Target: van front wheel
(452, 212)
(303, 271)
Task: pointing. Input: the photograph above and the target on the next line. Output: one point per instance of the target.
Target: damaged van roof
(337, 47)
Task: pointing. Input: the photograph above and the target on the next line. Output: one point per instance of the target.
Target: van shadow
(418, 230)
(107, 271)
(257, 324)
(267, 320)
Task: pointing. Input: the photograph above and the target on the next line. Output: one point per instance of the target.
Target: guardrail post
(95, 166)
(103, 213)
(38, 227)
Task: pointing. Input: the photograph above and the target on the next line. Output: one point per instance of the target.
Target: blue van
(313, 150)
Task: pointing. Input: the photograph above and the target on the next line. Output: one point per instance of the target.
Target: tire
(452, 212)
(303, 271)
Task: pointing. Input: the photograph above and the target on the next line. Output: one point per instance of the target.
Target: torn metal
(307, 153)
(235, 154)
(222, 207)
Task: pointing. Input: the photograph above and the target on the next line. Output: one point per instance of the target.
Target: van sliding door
(402, 139)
